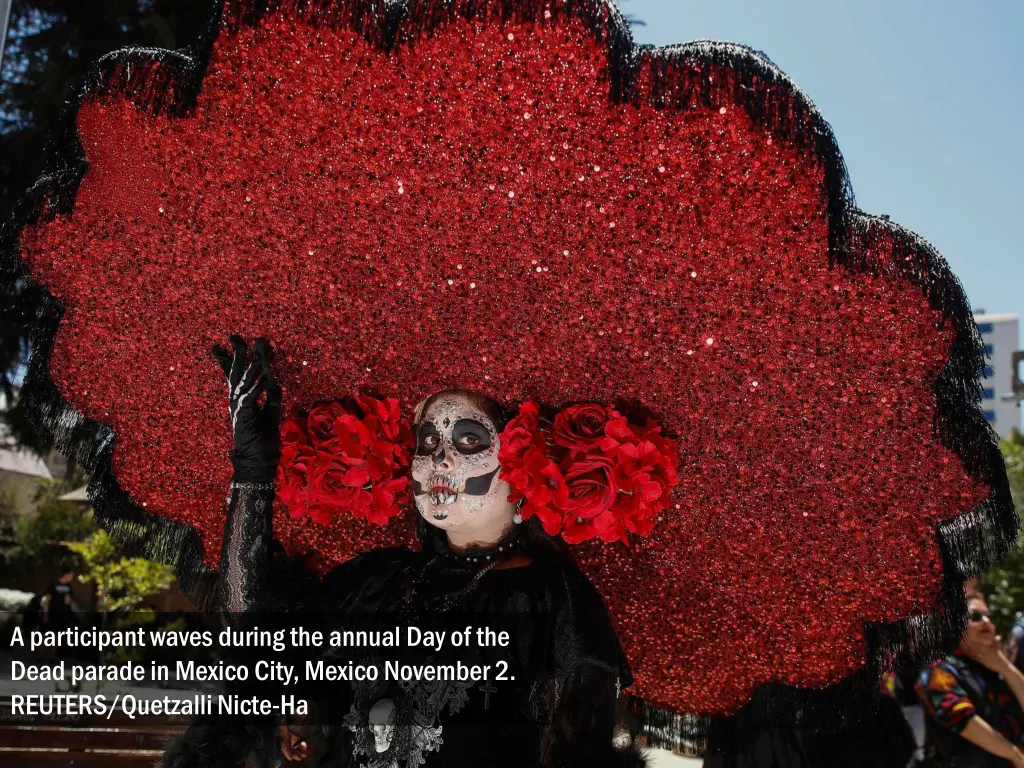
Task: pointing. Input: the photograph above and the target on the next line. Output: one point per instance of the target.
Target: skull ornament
(455, 471)
(382, 721)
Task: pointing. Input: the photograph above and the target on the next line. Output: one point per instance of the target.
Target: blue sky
(926, 98)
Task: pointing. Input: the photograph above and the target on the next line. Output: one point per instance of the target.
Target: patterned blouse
(945, 696)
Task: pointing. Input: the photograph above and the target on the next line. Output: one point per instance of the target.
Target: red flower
(352, 438)
(323, 434)
(292, 475)
(617, 430)
(589, 474)
(534, 478)
(387, 500)
(609, 528)
(578, 530)
(591, 486)
(580, 427)
(332, 487)
(336, 460)
(385, 417)
(520, 434)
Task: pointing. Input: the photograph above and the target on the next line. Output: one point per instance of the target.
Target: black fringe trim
(689, 75)
(702, 74)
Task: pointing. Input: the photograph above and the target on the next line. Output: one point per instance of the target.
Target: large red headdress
(509, 196)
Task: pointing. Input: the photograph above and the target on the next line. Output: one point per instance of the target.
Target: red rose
(293, 432)
(590, 474)
(326, 481)
(292, 475)
(580, 427)
(321, 427)
(335, 486)
(590, 487)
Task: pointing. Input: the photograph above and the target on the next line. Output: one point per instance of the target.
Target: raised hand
(255, 428)
(987, 651)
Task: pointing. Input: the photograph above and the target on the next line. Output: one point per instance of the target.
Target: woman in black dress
(480, 565)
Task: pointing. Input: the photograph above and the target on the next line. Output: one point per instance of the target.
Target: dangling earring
(516, 517)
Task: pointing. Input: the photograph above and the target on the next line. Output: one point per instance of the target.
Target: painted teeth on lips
(443, 489)
(441, 496)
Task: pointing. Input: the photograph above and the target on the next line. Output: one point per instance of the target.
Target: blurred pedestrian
(973, 701)
(58, 607)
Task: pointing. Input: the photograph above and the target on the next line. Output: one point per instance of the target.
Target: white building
(999, 332)
(21, 470)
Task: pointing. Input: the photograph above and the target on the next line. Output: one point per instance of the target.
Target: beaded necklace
(488, 558)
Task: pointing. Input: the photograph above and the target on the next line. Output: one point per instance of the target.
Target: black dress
(549, 699)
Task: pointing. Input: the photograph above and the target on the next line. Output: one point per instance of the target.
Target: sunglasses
(978, 616)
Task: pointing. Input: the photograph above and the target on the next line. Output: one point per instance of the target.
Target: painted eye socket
(471, 442)
(430, 441)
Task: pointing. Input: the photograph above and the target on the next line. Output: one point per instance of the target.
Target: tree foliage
(41, 536)
(122, 583)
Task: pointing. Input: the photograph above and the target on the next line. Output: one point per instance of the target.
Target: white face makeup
(455, 471)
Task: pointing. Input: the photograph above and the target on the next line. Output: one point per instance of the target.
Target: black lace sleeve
(580, 723)
(257, 579)
(217, 741)
(245, 554)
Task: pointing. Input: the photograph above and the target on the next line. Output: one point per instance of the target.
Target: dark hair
(532, 538)
(494, 410)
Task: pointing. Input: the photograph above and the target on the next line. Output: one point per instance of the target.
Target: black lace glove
(256, 429)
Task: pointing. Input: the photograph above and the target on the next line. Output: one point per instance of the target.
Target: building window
(985, 327)
(988, 350)
(990, 415)
(988, 393)
(987, 372)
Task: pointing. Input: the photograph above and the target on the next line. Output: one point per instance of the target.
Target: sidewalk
(660, 758)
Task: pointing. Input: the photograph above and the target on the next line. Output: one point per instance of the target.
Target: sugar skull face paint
(455, 470)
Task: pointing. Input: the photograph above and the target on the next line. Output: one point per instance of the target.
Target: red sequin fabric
(472, 209)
